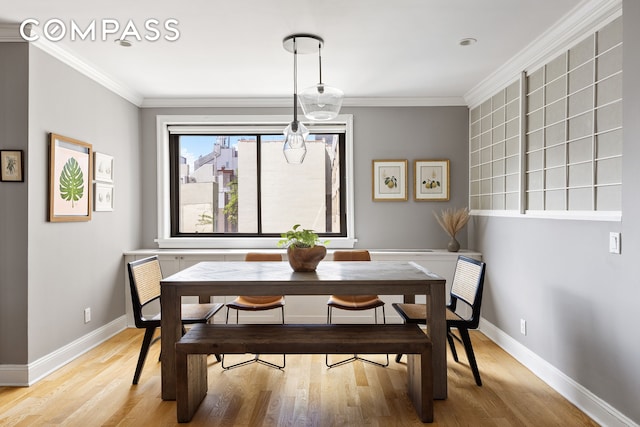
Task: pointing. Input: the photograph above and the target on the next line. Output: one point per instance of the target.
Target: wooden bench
(203, 339)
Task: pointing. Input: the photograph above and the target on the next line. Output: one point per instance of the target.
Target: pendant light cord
(320, 60)
(294, 124)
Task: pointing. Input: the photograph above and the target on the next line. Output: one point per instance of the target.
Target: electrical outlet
(523, 327)
(87, 315)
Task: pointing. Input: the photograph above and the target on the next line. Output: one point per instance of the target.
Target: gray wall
(580, 302)
(70, 265)
(14, 89)
(412, 133)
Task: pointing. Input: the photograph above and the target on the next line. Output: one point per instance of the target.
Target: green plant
(71, 182)
(231, 208)
(300, 238)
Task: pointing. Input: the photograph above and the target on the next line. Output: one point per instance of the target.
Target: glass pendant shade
(321, 102)
(294, 148)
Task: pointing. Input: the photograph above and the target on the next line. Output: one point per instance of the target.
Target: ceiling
(233, 49)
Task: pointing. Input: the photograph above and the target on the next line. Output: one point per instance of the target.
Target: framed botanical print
(70, 175)
(11, 166)
(389, 181)
(432, 180)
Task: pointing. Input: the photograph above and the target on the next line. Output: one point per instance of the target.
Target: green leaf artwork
(71, 182)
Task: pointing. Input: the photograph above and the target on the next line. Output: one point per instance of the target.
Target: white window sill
(239, 243)
(612, 216)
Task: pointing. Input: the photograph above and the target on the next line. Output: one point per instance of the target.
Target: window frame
(166, 240)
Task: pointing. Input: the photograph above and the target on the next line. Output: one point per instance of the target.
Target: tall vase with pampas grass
(452, 221)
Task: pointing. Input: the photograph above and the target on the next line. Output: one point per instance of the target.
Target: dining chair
(257, 303)
(144, 279)
(354, 302)
(466, 291)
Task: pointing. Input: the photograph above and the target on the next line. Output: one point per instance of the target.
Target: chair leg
(355, 356)
(258, 360)
(452, 346)
(256, 357)
(146, 343)
(464, 334)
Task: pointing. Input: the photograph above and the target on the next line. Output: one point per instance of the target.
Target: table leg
(171, 330)
(409, 299)
(437, 330)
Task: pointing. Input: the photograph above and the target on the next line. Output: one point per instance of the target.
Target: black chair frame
(455, 321)
(150, 324)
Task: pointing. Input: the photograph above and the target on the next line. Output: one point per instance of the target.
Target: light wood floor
(96, 390)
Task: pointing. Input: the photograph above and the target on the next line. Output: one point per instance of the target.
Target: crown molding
(10, 33)
(228, 102)
(584, 19)
(406, 101)
(88, 70)
(286, 102)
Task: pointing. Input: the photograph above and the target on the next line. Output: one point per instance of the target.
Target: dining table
(230, 278)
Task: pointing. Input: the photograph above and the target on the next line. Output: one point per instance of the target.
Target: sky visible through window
(194, 146)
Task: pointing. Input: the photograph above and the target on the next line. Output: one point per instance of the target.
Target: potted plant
(452, 221)
(304, 248)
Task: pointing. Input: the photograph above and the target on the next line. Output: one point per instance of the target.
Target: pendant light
(321, 102)
(296, 133)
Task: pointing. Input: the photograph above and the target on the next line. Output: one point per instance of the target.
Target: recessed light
(467, 42)
(123, 42)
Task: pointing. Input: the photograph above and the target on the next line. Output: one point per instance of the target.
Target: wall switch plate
(87, 315)
(614, 242)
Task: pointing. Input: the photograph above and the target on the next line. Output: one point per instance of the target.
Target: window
(566, 160)
(494, 156)
(227, 184)
(574, 127)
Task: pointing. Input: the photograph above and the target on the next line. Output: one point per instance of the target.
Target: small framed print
(11, 165)
(102, 167)
(103, 197)
(432, 180)
(389, 181)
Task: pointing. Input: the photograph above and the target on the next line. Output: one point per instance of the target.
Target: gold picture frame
(431, 180)
(11, 166)
(389, 180)
(70, 173)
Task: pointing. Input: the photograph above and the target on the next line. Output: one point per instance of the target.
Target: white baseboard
(26, 375)
(599, 410)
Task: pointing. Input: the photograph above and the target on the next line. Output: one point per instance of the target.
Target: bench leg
(420, 384)
(191, 384)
